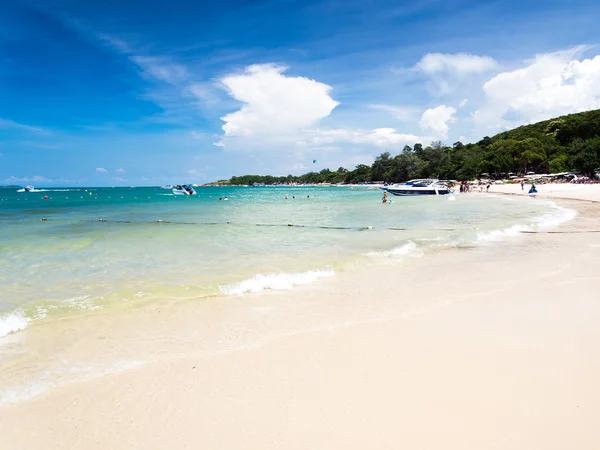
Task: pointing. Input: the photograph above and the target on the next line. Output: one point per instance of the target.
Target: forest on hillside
(562, 144)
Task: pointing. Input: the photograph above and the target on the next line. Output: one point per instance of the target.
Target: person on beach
(522, 185)
(384, 199)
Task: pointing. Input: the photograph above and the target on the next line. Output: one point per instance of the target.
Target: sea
(69, 251)
(95, 281)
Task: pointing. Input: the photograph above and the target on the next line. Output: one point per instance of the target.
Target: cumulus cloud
(457, 63)
(101, 170)
(551, 85)
(120, 171)
(273, 102)
(437, 119)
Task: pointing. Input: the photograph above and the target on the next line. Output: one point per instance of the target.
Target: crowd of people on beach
(468, 186)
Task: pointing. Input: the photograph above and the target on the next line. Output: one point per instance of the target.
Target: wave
(62, 190)
(276, 281)
(554, 218)
(560, 216)
(33, 190)
(511, 231)
(410, 248)
(12, 322)
(19, 319)
(27, 391)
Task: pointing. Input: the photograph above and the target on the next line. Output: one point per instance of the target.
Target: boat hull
(415, 192)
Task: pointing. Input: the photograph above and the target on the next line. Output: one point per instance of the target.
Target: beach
(476, 346)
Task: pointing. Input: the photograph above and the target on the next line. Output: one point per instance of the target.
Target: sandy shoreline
(492, 347)
(563, 191)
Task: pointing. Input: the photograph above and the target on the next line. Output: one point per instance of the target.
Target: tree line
(563, 144)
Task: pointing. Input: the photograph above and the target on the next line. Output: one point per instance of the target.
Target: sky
(119, 93)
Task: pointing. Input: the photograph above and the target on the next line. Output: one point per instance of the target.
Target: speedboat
(425, 186)
(29, 188)
(184, 189)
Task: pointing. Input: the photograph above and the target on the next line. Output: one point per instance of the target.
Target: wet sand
(491, 347)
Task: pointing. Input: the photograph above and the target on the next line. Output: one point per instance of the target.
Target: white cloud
(120, 171)
(160, 69)
(446, 71)
(11, 124)
(101, 170)
(380, 137)
(457, 63)
(462, 103)
(27, 179)
(273, 102)
(551, 85)
(191, 171)
(437, 119)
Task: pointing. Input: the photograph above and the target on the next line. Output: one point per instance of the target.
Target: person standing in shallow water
(384, 199)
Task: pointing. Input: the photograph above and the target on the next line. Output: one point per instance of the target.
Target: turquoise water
(73, 263)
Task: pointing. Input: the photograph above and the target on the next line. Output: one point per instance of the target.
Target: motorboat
(184, 189)
(425, 186)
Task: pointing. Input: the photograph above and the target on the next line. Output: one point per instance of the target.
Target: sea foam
(276, 281)
(557, 216)
(11, 323)
(410, 248)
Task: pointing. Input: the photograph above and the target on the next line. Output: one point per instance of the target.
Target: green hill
(566, 143)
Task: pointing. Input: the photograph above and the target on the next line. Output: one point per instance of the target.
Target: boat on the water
(425, 186)
(29, 188)
(184, 189)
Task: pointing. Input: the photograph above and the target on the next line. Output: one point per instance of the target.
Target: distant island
(563, 144)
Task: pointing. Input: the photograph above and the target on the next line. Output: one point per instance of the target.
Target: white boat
(425, 186)
(184, 189)
(29, 188)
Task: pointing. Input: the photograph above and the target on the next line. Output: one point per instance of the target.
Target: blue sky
(154, 92)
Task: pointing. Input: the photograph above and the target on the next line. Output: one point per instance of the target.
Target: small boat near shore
(423, 186)
(184, 189)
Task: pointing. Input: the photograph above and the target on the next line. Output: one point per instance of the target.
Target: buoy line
(287, 225)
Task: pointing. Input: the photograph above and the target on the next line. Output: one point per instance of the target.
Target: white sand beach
(476, 348)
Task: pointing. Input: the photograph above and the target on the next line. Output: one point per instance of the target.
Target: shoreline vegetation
(566, 145)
